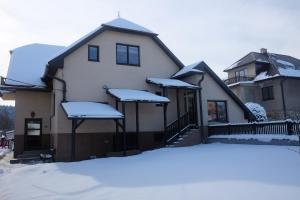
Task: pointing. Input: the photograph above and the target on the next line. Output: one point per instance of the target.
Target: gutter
(200, 103)
(63, 83)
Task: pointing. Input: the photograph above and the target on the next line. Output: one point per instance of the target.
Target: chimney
(263, 50)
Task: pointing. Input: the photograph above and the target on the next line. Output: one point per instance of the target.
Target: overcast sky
(218, 32)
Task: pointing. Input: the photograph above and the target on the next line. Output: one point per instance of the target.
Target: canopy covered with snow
(164, 82)
(187, 69)
(27, 64)
(130, 95)
(90, 110)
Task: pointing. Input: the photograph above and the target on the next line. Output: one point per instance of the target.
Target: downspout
(283, 97)
(200, 103)
(63, 84)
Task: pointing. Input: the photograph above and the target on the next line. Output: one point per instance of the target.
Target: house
(269, 79)
(115, 90)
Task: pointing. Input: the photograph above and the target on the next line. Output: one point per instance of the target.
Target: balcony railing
(237, 79)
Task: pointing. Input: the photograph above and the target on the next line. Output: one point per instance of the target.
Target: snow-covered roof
(187, 69)
(277, 60)
(131, 95)
(286, 72)
(125, 24)
(120, 23)
(90, 110)
(28, 63)
(171, 83)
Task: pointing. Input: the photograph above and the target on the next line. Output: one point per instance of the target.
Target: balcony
(237, 79)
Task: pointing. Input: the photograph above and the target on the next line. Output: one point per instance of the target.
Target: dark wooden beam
(178, 103)
(165, 116)
(137, 124)
(124, 130)
(196, 108)
(73, 139)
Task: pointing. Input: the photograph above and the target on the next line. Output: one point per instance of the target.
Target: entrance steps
(188, 138)
(32, 157)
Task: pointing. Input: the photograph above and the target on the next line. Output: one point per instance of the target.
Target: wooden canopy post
(165, 106)
(73, 140)
(124, 130)
(75, 125)
(196, 108)
(178, 106)
(137, 124)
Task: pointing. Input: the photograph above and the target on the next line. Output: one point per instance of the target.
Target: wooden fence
(273, 127)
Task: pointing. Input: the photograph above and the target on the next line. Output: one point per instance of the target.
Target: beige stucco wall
(85, 81)
(27, 102)
(212, 91)
(251, 71)
(246, 92)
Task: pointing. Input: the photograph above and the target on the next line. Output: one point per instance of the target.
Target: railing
(174, 129)
(275, 127)
(237, 79)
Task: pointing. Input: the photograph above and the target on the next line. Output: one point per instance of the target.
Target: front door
(33, 134)
(191, 106)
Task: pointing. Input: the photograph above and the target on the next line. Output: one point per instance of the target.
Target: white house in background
(269, 79)
(117, 89)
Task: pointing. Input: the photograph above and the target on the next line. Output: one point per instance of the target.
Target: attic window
(93, 53)
(127, 54)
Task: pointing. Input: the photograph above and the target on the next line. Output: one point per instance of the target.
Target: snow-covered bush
(258, 111)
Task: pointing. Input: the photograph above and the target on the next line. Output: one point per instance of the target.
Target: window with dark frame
(217, 111)
(267, 93)
(127, 54)
(93, 53)
(33, 127)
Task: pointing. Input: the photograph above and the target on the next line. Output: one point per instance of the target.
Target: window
(93, 53)
(217, 111)
(267, 93)
(128, 55)
(33, 127)
(241, 73)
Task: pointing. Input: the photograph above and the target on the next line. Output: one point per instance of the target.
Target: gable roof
(203, 67)
(120, 25)
(27, 64)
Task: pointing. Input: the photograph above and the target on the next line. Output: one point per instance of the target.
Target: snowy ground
(212, 171)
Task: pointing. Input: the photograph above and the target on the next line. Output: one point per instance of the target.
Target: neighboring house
(271, 80)
(118, 88)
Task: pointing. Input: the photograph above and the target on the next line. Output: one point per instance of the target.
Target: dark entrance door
(191, 107)
(33, 134)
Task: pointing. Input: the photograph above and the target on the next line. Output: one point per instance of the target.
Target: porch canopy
(166, 84)
(138, 96)
(171, 83)
(80, 111)
(131, 95)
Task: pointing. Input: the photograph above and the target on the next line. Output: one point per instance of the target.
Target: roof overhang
(90, 110)
(171, 83)
(131, 95)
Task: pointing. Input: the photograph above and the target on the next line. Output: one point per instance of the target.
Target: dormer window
(127, 54)
(93, 53)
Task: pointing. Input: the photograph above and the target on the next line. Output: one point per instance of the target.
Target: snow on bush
(258, 111)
